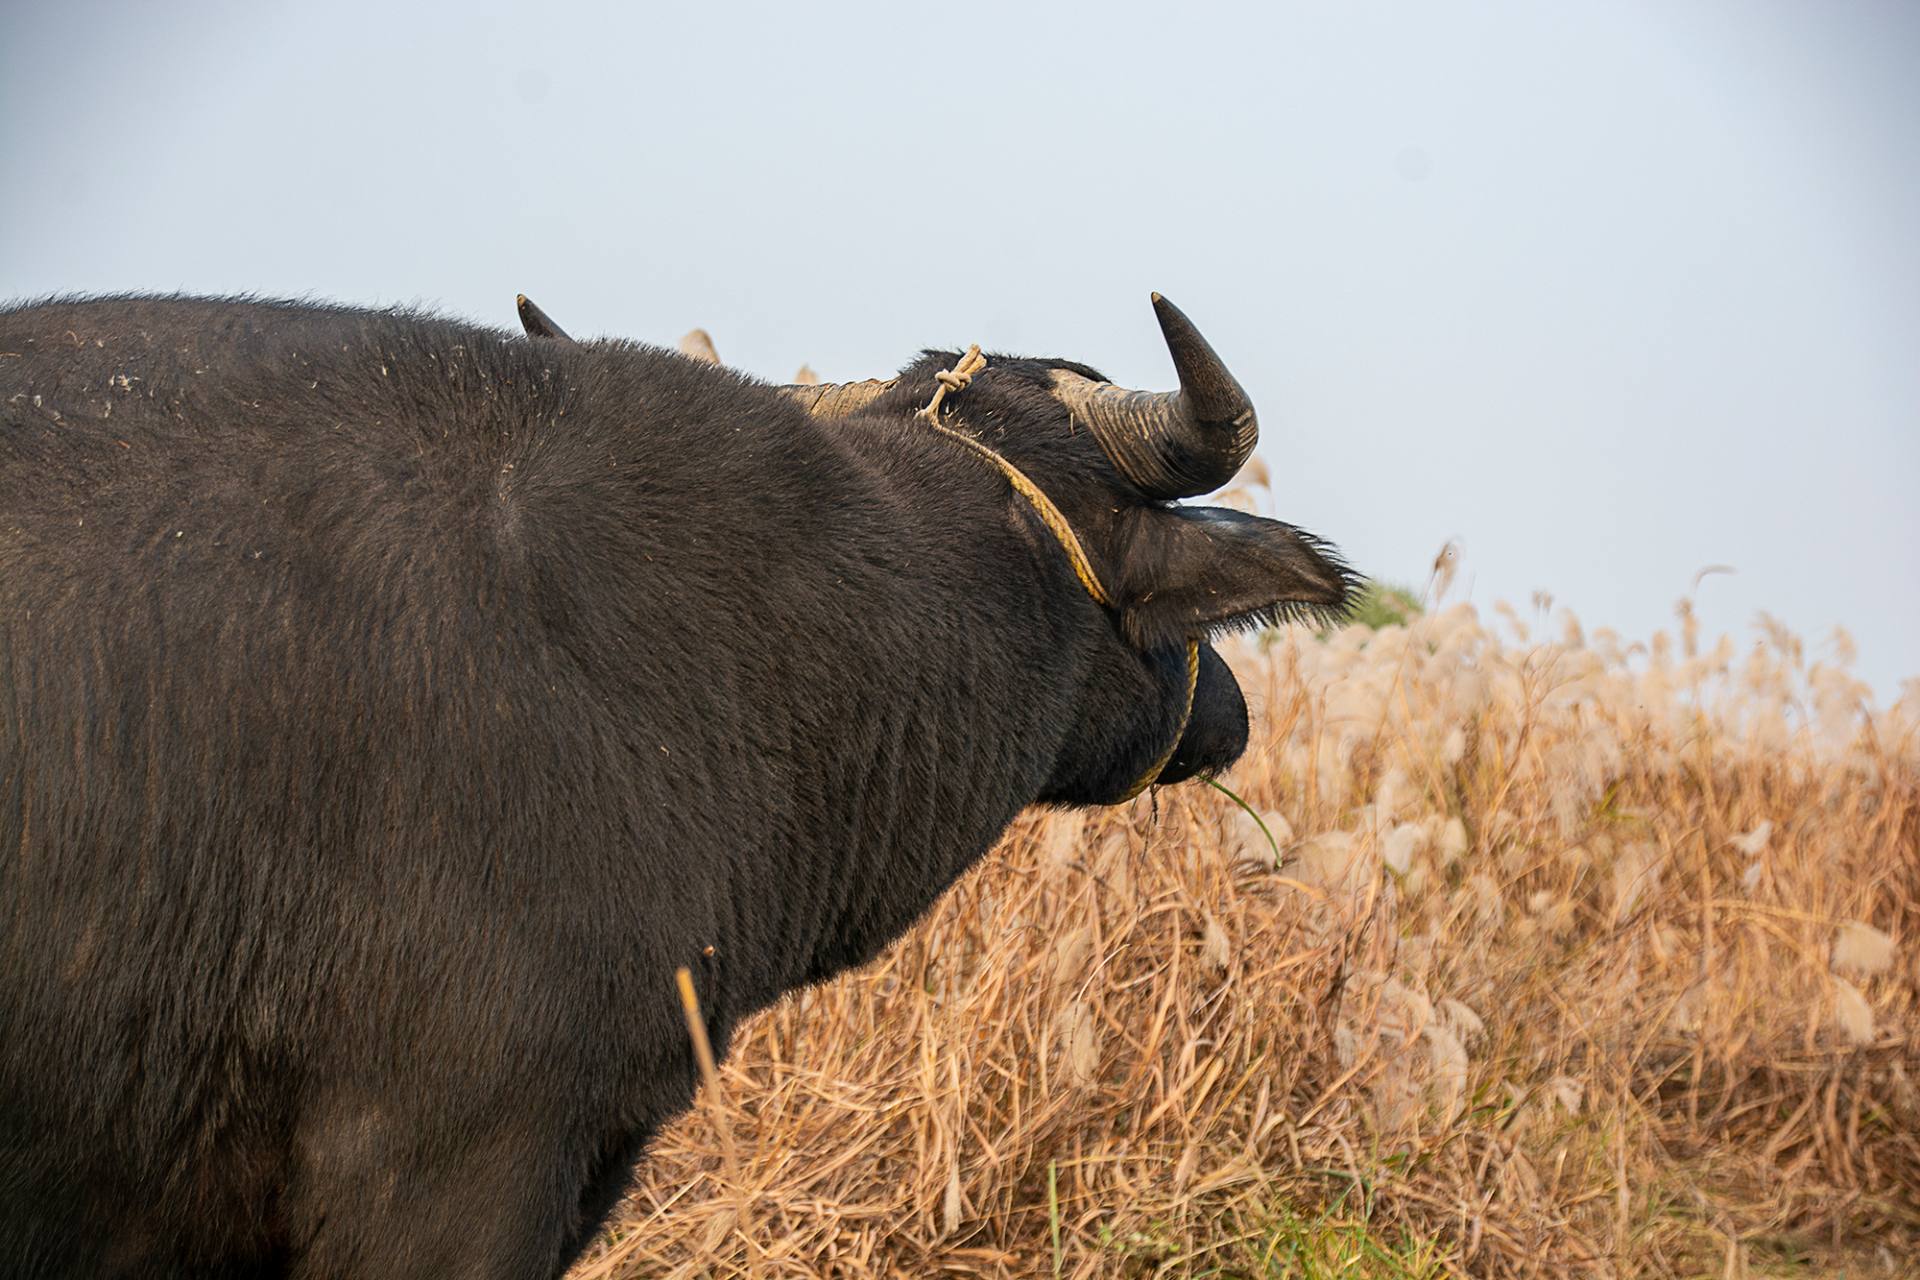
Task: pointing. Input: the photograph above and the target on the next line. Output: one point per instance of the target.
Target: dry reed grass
(1578, 960)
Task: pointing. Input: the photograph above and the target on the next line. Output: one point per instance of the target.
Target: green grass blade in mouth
(1257, 821)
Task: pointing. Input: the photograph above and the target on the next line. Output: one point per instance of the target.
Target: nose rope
(957, 379)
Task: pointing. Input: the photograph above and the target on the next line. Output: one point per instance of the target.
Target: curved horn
(837, 399)
(698, 345)
(536, 322)
(822, 399)
(1170, 444)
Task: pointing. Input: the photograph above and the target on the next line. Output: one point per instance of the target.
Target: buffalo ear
(536, 322)
(1187, 572)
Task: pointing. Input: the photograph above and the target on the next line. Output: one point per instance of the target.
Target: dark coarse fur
(391, 707)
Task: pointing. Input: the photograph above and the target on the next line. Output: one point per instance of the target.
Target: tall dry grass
(1576, 960)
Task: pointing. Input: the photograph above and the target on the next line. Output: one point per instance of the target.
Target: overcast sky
(1607, 291)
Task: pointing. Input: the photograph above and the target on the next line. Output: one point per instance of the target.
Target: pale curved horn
(536, 322)
(698, 345)
(821, 399)
(1170, 444)
(837, 399)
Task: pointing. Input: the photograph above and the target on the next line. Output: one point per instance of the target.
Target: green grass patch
(1383, 604)
(1338, 1242)
(1333, 1244)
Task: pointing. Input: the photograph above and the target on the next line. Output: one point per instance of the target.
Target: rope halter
(957, 379)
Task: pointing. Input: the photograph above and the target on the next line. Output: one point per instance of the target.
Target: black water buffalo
(390, 707)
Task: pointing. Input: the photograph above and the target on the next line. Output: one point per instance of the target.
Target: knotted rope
(958, 379)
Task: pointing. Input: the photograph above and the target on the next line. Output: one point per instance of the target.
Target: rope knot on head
(956, 379)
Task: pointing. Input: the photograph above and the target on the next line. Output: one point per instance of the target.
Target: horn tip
(520, 299)
(1165, 312)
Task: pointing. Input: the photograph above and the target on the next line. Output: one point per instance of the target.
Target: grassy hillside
(1563, 959)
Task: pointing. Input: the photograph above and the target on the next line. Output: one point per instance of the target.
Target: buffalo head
(1114, 461)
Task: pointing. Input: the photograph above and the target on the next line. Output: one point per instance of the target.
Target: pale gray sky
(1609, 291)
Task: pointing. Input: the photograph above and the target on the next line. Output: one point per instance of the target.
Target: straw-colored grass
(1575, 961)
